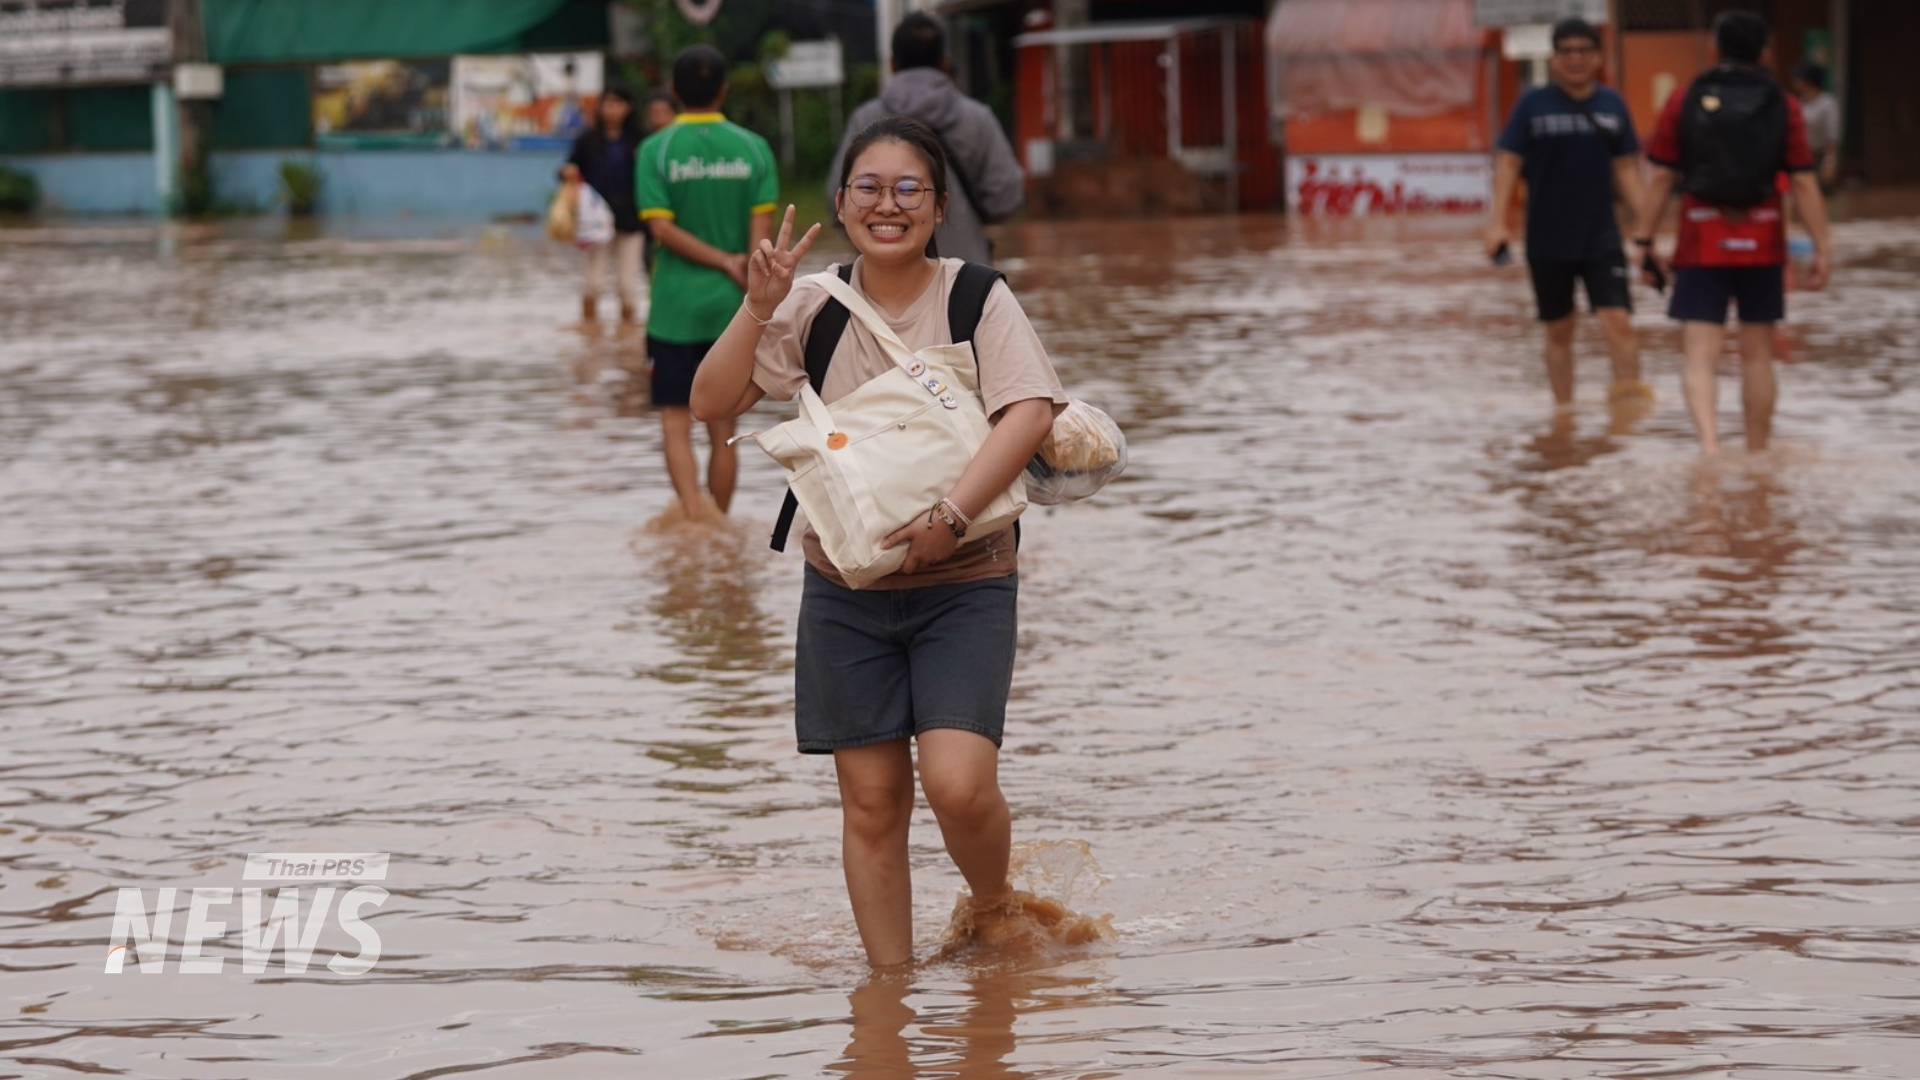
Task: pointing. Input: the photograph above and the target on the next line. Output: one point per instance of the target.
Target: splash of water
(708, 522)
(1034, 920)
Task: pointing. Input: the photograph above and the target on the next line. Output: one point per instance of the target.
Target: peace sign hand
(770, 269)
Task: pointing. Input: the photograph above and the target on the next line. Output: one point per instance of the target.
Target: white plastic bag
(594, 225)
(1082, 453)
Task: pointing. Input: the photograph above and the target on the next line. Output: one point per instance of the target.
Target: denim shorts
(882, 665)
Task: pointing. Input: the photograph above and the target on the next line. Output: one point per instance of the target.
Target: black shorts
(1702, 293)
(1605, 279)
(673, 368)
(881, 665)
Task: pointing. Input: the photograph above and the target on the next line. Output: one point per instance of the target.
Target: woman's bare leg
(960, 772)
(876, 806)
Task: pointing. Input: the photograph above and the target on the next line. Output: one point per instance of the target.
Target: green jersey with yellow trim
(709, 177)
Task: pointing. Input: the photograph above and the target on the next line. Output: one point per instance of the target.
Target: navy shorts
(673, 368)
(1604, 279)
(1702, 293)
(881, 665)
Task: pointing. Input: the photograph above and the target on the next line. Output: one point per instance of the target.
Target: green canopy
(283, 31)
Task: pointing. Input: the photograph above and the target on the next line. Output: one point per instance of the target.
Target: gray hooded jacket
(976, 144)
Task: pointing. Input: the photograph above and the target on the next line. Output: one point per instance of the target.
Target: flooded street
(1409, 731)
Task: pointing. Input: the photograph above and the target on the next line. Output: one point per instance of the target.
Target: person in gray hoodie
(988, 184)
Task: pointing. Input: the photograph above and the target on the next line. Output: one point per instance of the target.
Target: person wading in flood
(603, 158)
(707, 190)
(1575, 144)
(1723, 143)
(927, 653)
(1822, 114)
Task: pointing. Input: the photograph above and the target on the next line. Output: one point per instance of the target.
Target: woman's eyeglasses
(907, 194)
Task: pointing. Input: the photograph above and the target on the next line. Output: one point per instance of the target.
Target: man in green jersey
(707, 190)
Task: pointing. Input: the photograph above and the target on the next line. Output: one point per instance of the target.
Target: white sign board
(198, 82)
(807, 64)
(1527, 42)
(1522, 12)
(59, 43)
(627, 32)
(1365, 185)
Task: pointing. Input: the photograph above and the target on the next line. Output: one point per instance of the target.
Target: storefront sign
(1362, 185)
(807, 64)
(56, 43)
(1522, 12)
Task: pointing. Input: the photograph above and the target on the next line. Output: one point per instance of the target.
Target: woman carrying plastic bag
(599, 177)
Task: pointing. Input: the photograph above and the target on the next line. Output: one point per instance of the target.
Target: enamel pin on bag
(880, 456)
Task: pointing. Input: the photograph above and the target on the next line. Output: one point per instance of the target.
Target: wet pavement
(1408, 729)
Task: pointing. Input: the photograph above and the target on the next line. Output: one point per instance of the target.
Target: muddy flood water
(1402, 729)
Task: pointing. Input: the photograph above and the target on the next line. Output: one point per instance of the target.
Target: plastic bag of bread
(1084, 450)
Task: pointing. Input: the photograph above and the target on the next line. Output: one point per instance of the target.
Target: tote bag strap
(822, 339)
(856, 304)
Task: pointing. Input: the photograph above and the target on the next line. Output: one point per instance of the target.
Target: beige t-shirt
(1013, 367)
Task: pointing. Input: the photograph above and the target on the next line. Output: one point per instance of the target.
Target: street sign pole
(786, 128)
(195, 124)
(885, 16)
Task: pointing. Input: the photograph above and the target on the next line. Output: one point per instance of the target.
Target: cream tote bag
(883, 455)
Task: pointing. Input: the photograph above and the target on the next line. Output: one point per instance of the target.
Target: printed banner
(1361, 185)
(376, 101)
(525, 102)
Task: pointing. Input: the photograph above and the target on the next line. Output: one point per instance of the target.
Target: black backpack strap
(822, 338)
(824, 335)
(968, 300)
(965, 304)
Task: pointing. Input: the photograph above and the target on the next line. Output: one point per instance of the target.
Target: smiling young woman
(926, 654)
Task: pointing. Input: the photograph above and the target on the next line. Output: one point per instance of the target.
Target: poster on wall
(537, 102)
(1364, 185)
(381, 102)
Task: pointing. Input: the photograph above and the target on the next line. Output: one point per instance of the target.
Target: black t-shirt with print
(1567, 149)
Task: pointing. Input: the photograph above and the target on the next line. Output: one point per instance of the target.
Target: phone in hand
(1651, 267)
(1503, 255)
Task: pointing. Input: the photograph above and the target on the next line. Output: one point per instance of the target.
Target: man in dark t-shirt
(1574, 143)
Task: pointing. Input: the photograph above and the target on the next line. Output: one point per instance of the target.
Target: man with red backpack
(1724, 142)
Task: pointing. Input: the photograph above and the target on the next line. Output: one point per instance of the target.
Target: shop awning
(1410, 57)
(283, 31)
